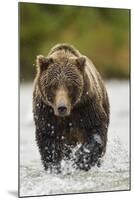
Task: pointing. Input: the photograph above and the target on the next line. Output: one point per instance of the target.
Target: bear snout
(62, 109)
(62, 103)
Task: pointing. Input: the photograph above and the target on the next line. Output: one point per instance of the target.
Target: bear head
(60, 82)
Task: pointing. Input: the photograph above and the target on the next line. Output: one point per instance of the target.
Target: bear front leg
(92, 150)
(50, 152)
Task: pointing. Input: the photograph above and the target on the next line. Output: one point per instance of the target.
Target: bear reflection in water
(70, 107)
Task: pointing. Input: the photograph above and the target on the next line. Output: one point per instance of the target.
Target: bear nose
(62, 110)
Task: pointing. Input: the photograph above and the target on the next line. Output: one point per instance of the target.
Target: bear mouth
(62, 111)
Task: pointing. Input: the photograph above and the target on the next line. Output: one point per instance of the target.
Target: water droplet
(87, 150)
(70, 124)
(62, 137)
(97, 138)
(36, 117)
(48, 125)
(52, 127)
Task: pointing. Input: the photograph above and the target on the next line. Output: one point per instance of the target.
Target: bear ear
(42, 63)
(80, 62)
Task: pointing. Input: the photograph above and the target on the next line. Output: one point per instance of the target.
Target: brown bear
(70, 107)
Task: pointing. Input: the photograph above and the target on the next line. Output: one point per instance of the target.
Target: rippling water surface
(114, 171)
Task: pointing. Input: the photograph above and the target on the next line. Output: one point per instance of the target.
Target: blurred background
(102, 34)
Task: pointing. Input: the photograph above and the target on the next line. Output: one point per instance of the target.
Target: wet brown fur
(89, 111)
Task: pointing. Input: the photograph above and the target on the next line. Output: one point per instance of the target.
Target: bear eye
(50, 97)
(69, 88)
(50, 94)
(72, 88)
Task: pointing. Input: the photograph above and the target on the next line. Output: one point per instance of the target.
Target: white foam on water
(112, 175)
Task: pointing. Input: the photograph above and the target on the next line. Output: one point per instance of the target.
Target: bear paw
(88, 155)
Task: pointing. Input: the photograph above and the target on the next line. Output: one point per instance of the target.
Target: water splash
(112, 175)
(114, 171)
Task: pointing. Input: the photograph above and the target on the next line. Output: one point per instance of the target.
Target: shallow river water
(114, 171)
